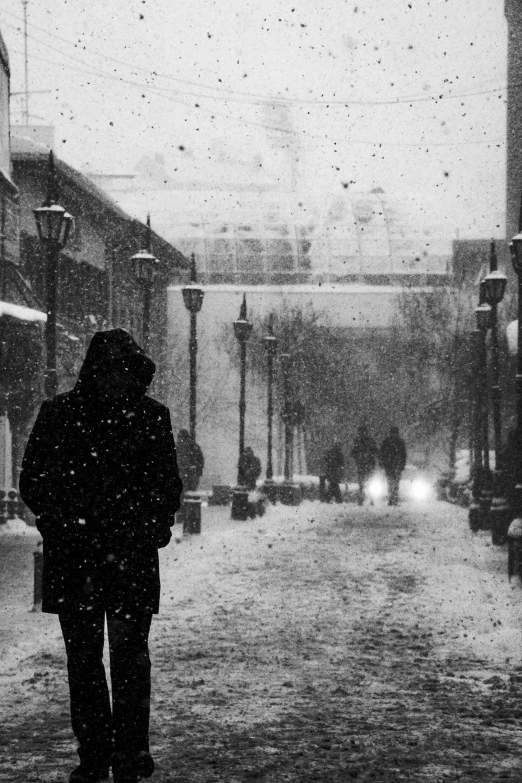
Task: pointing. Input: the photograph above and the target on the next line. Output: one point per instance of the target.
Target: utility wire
(255, 96)
(168, 96)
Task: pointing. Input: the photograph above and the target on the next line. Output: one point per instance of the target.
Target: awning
(22, 313)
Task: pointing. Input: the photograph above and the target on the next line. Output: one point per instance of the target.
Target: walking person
(249, 468)
(190, 464)
(364, 453)
(190, 461)
(333, 472)
(392, 456)
(100, 474)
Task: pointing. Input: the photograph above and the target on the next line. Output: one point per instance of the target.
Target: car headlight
(420, 489)
(376, 488)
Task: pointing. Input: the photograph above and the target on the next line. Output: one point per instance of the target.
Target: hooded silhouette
(190, 461)
(392, 456)
(100, 474)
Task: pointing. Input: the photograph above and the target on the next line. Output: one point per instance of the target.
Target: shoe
(89, 773)
(130, 769)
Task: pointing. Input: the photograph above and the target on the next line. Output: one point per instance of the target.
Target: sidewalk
(317, 643)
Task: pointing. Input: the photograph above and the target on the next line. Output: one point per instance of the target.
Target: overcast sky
(404, 95)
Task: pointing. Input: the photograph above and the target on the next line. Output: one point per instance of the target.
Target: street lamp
(145, 267)
(494, 288)
(242, 330)
(53, 225)
(483, 316)
(292, 415)
(271, 349)
(193, 299)
(476, 435)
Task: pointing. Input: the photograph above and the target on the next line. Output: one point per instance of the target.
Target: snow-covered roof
(21, 312)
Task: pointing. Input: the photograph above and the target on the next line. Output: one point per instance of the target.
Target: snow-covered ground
(378, 606)
(465, 575)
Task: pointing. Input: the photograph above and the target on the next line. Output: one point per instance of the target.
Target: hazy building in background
(513, 10)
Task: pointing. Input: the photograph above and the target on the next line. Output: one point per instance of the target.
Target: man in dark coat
(364, 453)
(100, 474)
(333, 471)
(190, 461)
(249, 468)
(392, 456)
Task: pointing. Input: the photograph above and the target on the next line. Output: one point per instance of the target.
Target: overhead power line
(248, 97)
(157, 92)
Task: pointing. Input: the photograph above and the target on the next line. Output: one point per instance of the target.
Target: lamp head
(193, 298)
(494, 287)
(483, 316)
(515, 248)
(145, 266)
(53, 223)
(242, 327)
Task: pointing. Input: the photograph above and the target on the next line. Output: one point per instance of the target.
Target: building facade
(96, 284)
(513, 11)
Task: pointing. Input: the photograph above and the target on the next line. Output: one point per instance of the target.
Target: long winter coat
(334, 463)
(365, 453)
(392, 455)
(101, 477)
(190, 461)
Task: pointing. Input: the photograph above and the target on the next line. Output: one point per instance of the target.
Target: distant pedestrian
(333, 472)
(190, 461)
(365, 454)
(392, 456)
(249, 468)
(100, 474)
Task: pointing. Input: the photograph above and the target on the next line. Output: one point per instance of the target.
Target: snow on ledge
(21, 312)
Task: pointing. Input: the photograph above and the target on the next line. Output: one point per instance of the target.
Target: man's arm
(37, 476)
(167, 482)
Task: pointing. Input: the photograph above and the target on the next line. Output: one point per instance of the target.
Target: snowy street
(318, 643)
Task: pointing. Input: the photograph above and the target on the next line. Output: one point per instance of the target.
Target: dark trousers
(329, 488)
(393, 487)
(99, 729)
(334, 490)
(362, 478)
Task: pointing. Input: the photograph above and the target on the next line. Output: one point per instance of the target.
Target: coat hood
(110, 349)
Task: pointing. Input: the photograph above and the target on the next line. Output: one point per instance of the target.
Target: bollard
(3, 506)
(38, 572)
(20, 508)
(270, 489)
(239, 509)
(515, 549)
(290, 494)
(12, 501)
(500, 518)
(192, 515)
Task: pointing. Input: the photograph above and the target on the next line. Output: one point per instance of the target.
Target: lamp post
(242, 330)
(516, 257)
(476, 435)
(53, 225)
(292, 414)
(193, 299)
(271, 349)
(494, 287)
(483, 316)
(145, 267)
